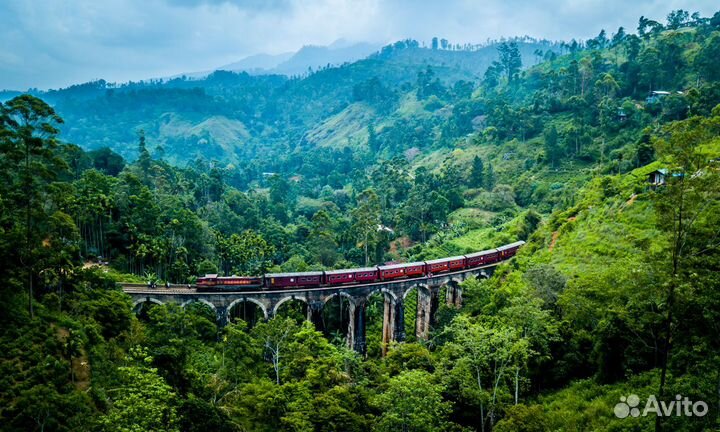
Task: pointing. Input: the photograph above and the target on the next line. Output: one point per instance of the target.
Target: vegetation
(614, 293)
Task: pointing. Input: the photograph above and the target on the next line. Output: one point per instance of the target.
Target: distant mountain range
(253, 110)
(309, 57)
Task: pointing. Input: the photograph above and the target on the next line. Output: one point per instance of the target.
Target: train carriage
(509, 250)
(481, 258)
(209, 280)
(395, 271)
(445, 264)
(347, 276)
(229, 283)
(288, 280)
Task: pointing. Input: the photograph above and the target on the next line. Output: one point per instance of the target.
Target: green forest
(414, 153)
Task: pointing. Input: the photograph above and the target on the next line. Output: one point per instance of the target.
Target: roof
(402, 265)
(239, 277)
(511, 245)
(214, 275)
(441, 260)
(485, 252)
(662, 171)
(352, 270)
(298, 274)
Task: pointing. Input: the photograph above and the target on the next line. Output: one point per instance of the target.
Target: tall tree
(510, 59)
(28, 130)
(366, 220)
(686, 206)
(477, 172)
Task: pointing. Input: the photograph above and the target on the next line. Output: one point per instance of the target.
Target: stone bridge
(358, 296)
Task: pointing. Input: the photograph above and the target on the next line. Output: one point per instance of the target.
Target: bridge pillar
(356, 327)
(434, 303)
(453, 295)
(314, 314)
(388, 330)
(222, 315)
(399, 318)
(424, 309)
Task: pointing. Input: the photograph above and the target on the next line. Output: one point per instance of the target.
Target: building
(657, 177)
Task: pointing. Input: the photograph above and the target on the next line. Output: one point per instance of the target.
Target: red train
(359, 275)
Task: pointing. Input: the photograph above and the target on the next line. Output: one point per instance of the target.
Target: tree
(489, 177)
(677, 18)
(412, 403)
(686, 206)
(144, 402)
(510, 59)
(28, 129)
(275, 337)
(490, 355)
(144, 158)
(552, 148)
(477, 173)
(246, 254)
(708, 59)
(366, 220)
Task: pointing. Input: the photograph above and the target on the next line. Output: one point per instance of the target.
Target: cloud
(60, 42)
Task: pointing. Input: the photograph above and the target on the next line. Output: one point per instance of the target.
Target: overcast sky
(54, 43)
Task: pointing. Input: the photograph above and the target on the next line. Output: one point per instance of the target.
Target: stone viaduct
(358, 296)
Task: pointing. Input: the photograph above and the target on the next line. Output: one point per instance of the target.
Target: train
(357, 276)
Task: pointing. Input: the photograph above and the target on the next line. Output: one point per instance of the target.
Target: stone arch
(483, 274)
(456, 280)
(287, 299)
(146, 300)
(418, 286)
(382, 290)
(247, 299)
(203, 301)
(341, 294)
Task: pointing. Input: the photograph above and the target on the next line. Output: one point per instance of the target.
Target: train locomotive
(355, 276)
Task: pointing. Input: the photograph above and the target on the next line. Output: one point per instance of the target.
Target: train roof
(239, 277)
(211, 276)
(312, 273)
(401, 265)
(352, 270)
(442, 260)
(511, 245)
(481, 253)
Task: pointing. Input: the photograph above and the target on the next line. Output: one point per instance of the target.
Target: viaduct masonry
(395, 293)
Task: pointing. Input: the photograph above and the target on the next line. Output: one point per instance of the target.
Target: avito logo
(681, 406)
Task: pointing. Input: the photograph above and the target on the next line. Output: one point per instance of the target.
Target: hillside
(275, 108)
(410, 154)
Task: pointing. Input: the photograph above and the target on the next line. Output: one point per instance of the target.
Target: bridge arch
(287, 299)
(418, 286)
(247, 299)
(203, 301)
(146, 300)
(381, 291)
(339, 294)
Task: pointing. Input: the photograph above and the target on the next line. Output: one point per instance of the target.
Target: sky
(56, 43)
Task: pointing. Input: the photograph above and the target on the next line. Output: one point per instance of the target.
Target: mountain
(258, 63)
(270, 111)
(309, 57)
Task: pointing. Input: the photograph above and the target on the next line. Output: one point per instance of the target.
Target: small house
(657, 177)
(656, 95)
